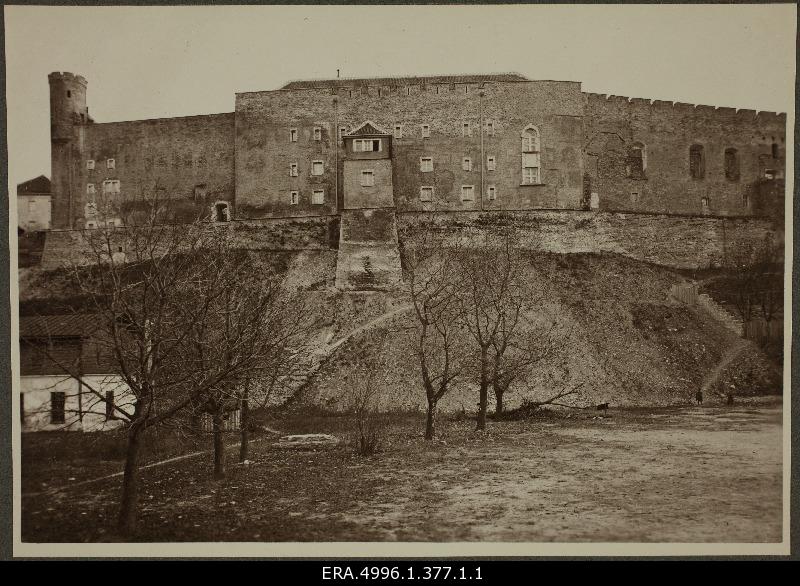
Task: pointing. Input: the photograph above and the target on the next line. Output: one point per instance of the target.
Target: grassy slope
(628, 344)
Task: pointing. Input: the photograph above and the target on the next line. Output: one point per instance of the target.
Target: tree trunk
(244, 429)
(130, 484)
(498, 398)
(219, 447)
(484, 392)
(431, 421)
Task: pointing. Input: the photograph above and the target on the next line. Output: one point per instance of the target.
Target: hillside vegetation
(626, 344)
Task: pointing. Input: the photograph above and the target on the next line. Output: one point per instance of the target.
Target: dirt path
(704, 474)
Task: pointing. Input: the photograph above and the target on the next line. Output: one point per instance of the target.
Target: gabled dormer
(368, 141)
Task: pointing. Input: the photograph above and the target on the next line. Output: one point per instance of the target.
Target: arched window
(731, 165)
(637, 161)
(531, 156)
(697, 164)
(530, 140)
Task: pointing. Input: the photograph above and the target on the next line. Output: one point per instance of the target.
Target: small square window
(530, 175)
(111, 164)
(317, 168)
(293, 170)
(466, 164)
(466, 130)
(426, 193)
(294, 197)
(292, 135)
(426, 164)
(491, 163)
(317, 133)
(367, 178)
(704, 204)
(490, 128)
(426, 131)
(467, 193)
(342, 132)
(318, 197)
(90, 189)
(492, 193)
(634, 196)
(58, 402)
(398, 131)
(90, 165)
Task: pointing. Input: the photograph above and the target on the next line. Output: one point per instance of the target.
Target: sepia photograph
(506, 280)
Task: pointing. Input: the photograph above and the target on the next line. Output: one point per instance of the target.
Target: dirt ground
(691, 474)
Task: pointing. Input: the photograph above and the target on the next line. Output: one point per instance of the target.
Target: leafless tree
(159, 293)
(429, 265)
(757, 278)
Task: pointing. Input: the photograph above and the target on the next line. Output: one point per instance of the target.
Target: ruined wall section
(614, 123)
(187, 162)
(265, 151)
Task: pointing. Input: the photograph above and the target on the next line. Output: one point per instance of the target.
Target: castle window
(775, 153)
(426, 164)
(367, 178)
(491, 163)
(398, 131)
(32, 205)
(426, 193)
(704, 203)
(222, 211)
(292, 135)
(317, 133)
(69, 94)
(697, 167)
(467, 193)
(58, 402)
(90, 189)
(531, 164)
(530, 140)
(426, 131)
(731, 165)
(342, 132)
(491, 193)
(111, 164)
(637, 161)
(466, 129)
(90, 165)
(634, 196)
(111, 186)
(769, 174)
(91, 224)
(466, 164)
(293, 172)
(366, 145)
(294, 197)
(317, 167)
(746, 200)
(318, 197)
(490, 128)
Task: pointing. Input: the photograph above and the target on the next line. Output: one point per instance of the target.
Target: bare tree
(430, 266)
(156, 291)
(491, 291)
(757, 279)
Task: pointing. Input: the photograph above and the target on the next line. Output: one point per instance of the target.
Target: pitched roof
(397, 81)
(40, 184)
(57, 326)
(369, 128)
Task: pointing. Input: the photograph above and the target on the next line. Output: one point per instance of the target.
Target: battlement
(67, 76)
(647, 106)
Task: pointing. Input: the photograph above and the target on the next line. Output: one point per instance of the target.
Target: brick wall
(614, 123)
(188, 161)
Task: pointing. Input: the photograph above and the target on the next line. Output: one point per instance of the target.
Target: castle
(364, 150)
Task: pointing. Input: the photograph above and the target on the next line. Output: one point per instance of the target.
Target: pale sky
(157, 62)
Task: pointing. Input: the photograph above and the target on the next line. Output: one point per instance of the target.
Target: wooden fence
(230, 424)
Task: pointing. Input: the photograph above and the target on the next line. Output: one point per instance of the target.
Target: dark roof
(41, 184)
(57, 326)
(392, 81)
(368, 129)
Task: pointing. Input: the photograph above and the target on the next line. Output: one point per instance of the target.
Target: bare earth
(693, 474)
